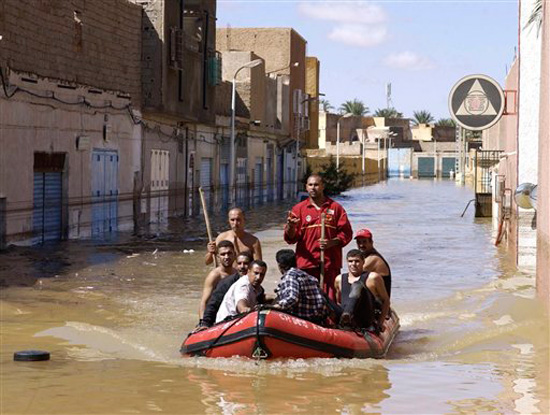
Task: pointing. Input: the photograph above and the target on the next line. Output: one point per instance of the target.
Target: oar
(322, 273)
(207, 220)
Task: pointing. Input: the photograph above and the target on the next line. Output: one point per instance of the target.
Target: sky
(421, 47)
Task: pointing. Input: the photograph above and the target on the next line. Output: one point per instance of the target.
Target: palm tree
(325, 105)
(422, 117)
(446, 122)
(355, 107)
(536, 16)
(388, 113)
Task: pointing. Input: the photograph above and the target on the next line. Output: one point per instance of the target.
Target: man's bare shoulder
(226, 235)
(373, 264)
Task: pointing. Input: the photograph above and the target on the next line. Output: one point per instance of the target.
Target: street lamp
(347, 115)
(232, 176)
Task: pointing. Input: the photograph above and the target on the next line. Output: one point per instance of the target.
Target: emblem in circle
(476, 103)
(308, 218)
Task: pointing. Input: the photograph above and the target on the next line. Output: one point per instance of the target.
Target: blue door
(426, 167)
(47, 206)
(224, 186)
(104, 193)
(448, 164)
(399, 163)
(280, 174)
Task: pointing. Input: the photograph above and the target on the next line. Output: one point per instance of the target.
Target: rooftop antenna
(389, 103)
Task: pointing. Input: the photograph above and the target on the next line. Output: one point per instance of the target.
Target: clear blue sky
(421, 47)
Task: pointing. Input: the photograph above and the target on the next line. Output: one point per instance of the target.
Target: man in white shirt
(243, 295)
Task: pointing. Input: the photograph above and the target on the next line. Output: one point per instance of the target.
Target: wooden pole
(207, 221)
(322, 273)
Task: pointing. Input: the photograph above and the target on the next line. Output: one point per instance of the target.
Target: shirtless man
(374, 261)
(361, 295)
(226, 256)
(242, 240)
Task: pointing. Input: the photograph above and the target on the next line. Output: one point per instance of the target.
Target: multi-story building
(180, 71)
(284, 53)
(70, 137)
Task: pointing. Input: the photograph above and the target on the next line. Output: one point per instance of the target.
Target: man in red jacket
(303, 228)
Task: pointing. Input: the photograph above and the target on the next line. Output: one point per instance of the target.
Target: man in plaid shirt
(298, 292)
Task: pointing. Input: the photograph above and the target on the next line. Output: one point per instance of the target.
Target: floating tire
(31, 356)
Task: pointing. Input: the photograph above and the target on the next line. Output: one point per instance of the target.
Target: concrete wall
(504, 136)
(29, 124)
(312, 88)
(422, 132)
(89, 42)
(184, 92)
(543, 208)
(528, 128)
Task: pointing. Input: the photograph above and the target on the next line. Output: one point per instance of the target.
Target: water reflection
(237, 393)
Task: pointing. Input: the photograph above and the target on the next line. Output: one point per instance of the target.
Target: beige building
(69, 122)
(284, 53)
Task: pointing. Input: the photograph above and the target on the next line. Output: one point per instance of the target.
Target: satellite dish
(526, 196)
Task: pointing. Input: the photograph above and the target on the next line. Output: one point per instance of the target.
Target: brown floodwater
(473, 339)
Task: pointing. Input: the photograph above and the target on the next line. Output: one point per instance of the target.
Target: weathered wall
(283, 50)
(182, 93)
(312, 88)
(528, 128)
(89, 42)
(29, 124)
(543, 208)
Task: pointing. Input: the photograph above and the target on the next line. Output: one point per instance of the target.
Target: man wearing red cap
(303, 228)
(374, 261)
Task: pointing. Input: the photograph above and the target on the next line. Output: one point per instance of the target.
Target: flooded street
(473, 339)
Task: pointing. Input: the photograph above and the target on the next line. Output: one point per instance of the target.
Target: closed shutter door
(206, 180)
(224, 185)
(104, 193)
(47, 206)
(160, 179)
(426, 167)
(448, 164)
(258, 180)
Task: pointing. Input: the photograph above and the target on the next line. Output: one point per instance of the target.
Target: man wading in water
(242, 240)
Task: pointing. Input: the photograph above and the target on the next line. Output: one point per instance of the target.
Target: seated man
(374, 261)
(209, 316)
(363, 295)
(243, 295)
(226, 256)
(242, 240)
(298, 292)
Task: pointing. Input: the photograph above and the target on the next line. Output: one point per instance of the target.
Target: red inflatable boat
(272, 334)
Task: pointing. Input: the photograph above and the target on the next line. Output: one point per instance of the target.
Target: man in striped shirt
(298, 292)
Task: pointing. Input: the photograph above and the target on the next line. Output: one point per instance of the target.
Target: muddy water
(473, 339)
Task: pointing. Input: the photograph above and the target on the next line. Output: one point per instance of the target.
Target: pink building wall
(543, 208)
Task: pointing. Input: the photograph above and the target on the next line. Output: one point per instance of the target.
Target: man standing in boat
(242, 240)
(374, 261)
(303, 228)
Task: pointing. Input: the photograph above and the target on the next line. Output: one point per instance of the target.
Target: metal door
(47, 206)
(447, 164)
(269, 175)
(104, 192)
(280, 176)
(206, 180)
(426, 167)
(259, 180)
(243, 199)
(160, 181)
(399, 162)
(224, 186)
